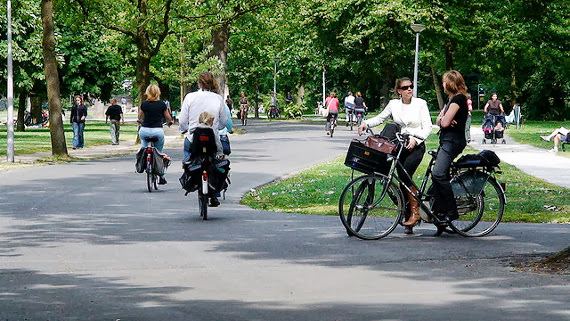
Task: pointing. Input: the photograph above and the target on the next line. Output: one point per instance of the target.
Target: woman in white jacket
(412, 114)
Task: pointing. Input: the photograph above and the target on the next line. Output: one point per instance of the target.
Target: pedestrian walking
(114, 114)
(77, 119)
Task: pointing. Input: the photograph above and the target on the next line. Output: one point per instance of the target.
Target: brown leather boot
(414, 209)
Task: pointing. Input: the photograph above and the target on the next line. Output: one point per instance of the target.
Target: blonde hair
(206, 118)
(152, 93)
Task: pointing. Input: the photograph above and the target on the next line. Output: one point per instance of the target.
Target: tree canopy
(519, 49)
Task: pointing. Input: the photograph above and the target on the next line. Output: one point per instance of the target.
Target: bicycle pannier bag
(140, 164)
(490, 157)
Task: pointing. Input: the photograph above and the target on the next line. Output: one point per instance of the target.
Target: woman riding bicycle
(331, 103)
(151, 114)
(412, 114)
(206, 99)
(451, 120)
(243, 108)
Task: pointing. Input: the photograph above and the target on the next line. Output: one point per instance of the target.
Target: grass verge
(317, 191)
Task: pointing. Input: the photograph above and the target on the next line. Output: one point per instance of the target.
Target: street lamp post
(275, 60)
(10, 120)
(417, 28)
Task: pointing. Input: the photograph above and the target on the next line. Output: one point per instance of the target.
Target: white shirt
(349, 100)
(197, 102)
(413, 117)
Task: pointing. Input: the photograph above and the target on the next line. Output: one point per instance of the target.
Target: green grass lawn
(317, 191)
(35, 140)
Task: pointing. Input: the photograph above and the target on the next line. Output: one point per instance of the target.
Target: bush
(294, 110)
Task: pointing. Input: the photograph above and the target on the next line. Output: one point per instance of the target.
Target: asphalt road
(85, 241)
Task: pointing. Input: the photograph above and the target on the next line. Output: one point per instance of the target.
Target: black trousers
(444, 200)
(410, 161)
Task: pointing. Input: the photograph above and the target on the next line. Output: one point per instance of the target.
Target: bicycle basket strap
(380, 144)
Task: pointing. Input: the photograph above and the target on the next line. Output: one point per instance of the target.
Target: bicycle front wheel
(371, 206)
(481, 212)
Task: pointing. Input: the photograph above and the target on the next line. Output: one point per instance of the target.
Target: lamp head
(416, 27)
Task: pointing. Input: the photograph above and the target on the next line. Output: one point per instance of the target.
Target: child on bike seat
(206, 120)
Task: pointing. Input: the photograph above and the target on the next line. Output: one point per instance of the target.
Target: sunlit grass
(317, 191)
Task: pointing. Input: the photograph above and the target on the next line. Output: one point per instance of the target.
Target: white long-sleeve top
(413, 117)
(197, 102)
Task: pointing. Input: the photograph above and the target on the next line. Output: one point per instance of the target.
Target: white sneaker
(553, 150)
(545, 138)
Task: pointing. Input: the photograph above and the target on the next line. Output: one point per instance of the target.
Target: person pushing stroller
(494, 121)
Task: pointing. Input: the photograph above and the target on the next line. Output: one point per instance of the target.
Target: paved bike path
(84, 241)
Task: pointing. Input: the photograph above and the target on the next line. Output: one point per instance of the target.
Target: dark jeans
(410, 161)
(444, 200)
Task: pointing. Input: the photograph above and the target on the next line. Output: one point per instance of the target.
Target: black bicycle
(372, 205)
(151, 177)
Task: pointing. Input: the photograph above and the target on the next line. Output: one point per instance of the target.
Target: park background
(519, 49)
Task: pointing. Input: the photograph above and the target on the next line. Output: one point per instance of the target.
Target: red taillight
(204, 138)
(204, 176)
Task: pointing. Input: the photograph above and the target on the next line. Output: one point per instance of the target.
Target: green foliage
(294, 110)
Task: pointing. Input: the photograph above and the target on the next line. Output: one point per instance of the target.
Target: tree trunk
(448, 55)
(58, 146)
(36, 109)
(220, 38)
(21, 111)
(437, 88)
(142, 79)
(514, 91)
(300, 94)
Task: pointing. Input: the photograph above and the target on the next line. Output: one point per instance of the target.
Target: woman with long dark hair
(451, 120)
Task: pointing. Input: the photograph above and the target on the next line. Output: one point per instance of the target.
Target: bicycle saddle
(151, 139)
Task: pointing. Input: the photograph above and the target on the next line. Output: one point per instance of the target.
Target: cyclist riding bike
(151, 114)
(243, 108)
(331, 103)
(349, 106)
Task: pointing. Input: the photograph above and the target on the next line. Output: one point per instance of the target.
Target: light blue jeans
(147, 132)
(78, 134)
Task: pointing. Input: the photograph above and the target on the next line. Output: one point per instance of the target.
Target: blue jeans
(148, 132)
(78, 134)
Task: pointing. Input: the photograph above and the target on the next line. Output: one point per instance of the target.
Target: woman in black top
(77, 119)
(452, 141)
(151, 113)
(359, 104)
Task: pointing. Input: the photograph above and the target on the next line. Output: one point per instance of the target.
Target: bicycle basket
(365, 159)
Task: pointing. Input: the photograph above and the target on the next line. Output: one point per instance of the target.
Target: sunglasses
(407, 87)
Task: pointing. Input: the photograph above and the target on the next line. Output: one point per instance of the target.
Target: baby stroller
(494, 128)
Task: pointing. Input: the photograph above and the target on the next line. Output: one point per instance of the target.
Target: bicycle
(243, 114)
(151, 177)
(372, 206)
(351, 121)
(203, 172)
(359, 116)
(333, 126)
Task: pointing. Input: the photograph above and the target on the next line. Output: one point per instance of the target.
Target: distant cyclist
(243, 107)
(349, 106)
(331, 103)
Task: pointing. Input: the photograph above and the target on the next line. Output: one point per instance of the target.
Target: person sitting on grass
(559, 135)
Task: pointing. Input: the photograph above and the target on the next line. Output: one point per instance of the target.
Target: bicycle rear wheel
(480, 213)
(149, 176)
(370, 207)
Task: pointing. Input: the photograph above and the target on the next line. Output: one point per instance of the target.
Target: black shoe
(162, 181)
(214, 202)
